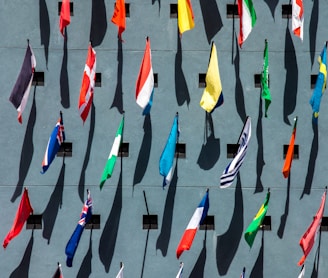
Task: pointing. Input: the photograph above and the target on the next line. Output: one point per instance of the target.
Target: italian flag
(247, 19)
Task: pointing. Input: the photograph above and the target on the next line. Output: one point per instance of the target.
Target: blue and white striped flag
(302, 273)
(232, 169)
(179, 275)
(120, 273)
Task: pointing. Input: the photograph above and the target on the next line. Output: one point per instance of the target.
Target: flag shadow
(98, 22)
(315, 269)
(159, 5)
(85, 269)
(227, 244)
(257, 271)
(272, 4)
(313, 27)
(27, 151)
(64, 84)
(283, 218)
(44, 28)
(198, 270)
(260, 157)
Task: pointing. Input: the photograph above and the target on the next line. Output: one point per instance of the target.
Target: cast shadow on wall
(313, 27)
(85, 269)
(81, 186)
(44, 28)
(55, 202)
(315, 268)
(198, 270)
(108, 237)
(283, 218)
(257, 271)
(98, 22)
(227, 244)
(26, 152)
(260, 157)
(118, 97)
(272, 4)
(64, 84)
(159, 4)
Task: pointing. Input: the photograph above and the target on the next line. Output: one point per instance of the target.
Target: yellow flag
(185, 16)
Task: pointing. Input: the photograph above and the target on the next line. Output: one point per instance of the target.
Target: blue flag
(75, 238)
(167, 157)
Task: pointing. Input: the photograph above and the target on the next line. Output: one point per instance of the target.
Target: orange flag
(290, 152)
(118, 17)
(65, 16)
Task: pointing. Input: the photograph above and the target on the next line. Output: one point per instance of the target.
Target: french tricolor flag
(194, 223)
(145, 81)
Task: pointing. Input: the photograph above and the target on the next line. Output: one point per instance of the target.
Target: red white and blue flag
(21, 90)
(242, 275)
(57, 137)
(194, 223)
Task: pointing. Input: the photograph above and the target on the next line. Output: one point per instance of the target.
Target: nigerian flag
(265, 79)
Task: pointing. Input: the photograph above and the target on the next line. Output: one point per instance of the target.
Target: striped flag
(120, 273)
(193, 226)
(167, 157)
(109, 167)
(247, 19)
(290, 152)
(233, 167)
(88, 84)
(302, 273)
(75, 238)
(118, 17)
(20, 93)
(185, 16)
(65, 16)
(179, 275)
(297, 18)
(58, 273)
(242, 275)
(57, 137)
(145, 81)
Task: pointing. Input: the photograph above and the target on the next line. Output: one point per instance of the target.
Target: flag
(65, 16)
(213, 91)
(21, 90)
(320, 84)
(265, 79)
(57, 137)
(88, 84)
(247, 19)
(167, 156)
(118, 17)
(120, 273)
(309, 237)
(297, 18)
(179, 275)
(233, 167)
(290, 153)
(58, 273)
(252, 229)
(23, 212)
(75, 238)
(194, 223)
(302, 273)
(145, 81)
(185, 16)
(242, 275)
(109, 167)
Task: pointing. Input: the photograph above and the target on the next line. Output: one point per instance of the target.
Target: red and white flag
(297, 18)
(58, 273)
(65, 16)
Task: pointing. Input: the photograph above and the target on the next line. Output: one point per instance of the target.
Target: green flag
(257, 221)
(107, 173)
(265, 79)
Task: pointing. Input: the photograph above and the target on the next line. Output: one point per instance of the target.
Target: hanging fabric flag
(109, 167)
(73, 242)
(88, 84)
(247, 19)
(185, 16)
(302, 273)
(65, 16)
(57, 137)
(290, 152)
(212, 96)
(118, 17)
(21, 90)
(193, 226)
(58, 273)
(167, 156)
(320, 84)
(145, 81)
(233, 167)
(297, 18)
(265, 79)
(120, 273)
(22, 214)
(256, 223)
(179, 275)
(242, 275)
(309, 237)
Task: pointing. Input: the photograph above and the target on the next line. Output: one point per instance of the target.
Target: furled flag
(233, 167)
(212, 96)
(320, 84)
(242, 275)
(120, 273)
(185, 16)
(118, 17)
(194, 223)
(302, 273)
(256, 223)
(109, 167)
(75, 238)
(88, 84)
(23, 212)
(58, 273)
(167, 156)
(290, 152)
(247, 19)
(309, 237)
(57, 137)
(145, 81)
(297, 18)
(65, 16)
(179, 275)
(21, 90)
(265, 79)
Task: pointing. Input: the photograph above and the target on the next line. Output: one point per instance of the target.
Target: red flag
(65, 16)
(309, 237)
(58, 273)
(23, 212)
(290, 153)
(88, 84)
(118, 17)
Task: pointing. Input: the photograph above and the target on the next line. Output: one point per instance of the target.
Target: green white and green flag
(108, 170)
(265, 79)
